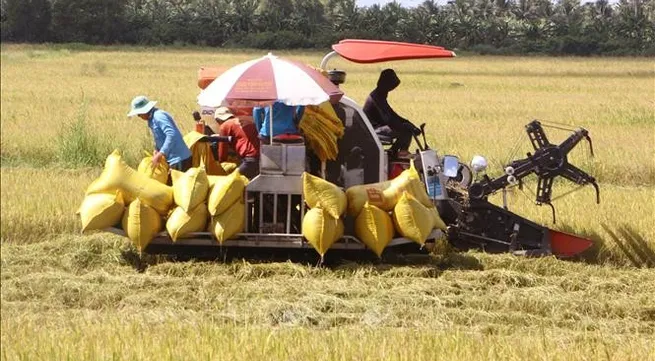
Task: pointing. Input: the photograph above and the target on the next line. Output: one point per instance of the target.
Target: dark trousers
(249, 167)
(182, 166)
(403, 137)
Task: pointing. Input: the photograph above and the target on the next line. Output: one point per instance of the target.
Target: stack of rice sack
(212, 203)
(413, 213)
(142, 202)
(190, 190)
(226, 205)
(143, 192)
(322, 224)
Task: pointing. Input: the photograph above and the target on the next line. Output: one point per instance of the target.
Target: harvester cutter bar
(264, 240)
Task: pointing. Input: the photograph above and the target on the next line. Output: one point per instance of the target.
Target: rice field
(70, 296)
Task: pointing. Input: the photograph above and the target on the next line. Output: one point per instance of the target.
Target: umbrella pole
(270, 123)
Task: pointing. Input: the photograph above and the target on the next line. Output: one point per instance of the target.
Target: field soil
(68, 296)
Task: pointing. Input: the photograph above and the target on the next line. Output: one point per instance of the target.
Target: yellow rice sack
(141, 223)
(96, 188)
(99, 186)
(117, 175)
(438, 222)
(374, 227)
(213, 179)
(322, 129)
(227, 224)
(190, 188)
(372, 193)
(100, 211)
(408, 181)
(201, 153)
(181, 223)
(229, 167)
(413, 220)
(323, 194)
(127, 197)
(158, 173)
(225, 192)
(321, 229)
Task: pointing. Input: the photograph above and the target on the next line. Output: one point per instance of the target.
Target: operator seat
(288, 139)
(385, 140)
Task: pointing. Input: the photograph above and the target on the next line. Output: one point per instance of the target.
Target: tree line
(485, 26)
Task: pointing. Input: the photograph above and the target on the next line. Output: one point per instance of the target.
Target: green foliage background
(483, 26)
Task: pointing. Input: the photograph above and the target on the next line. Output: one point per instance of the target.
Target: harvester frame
(275, 204)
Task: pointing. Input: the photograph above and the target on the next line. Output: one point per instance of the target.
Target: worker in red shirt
(245, 140)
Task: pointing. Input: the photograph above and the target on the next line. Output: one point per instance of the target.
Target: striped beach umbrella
(266, 80)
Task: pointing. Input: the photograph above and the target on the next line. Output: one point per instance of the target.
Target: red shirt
(244, 138)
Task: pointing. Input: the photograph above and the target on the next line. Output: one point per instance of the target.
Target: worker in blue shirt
(169, 142)
(285, 120)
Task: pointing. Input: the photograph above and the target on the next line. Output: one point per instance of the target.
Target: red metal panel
(206, 75)
(567, 245)
(375, 51)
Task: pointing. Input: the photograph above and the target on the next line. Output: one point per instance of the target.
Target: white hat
(223, 113)
(141, 105)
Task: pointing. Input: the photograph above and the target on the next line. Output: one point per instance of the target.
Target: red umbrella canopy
(268, 79)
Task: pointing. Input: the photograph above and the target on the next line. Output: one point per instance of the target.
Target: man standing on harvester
(384, 119)
(169, 143)
(245, 140)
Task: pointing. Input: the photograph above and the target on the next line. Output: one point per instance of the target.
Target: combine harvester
(275, 206)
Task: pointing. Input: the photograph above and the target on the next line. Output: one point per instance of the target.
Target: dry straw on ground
(66, 296)
(81, 297)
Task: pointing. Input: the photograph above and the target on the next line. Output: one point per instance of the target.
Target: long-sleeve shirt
(377, 108)
(168, 138)
(244, 139)
(380, 113)
(285, 119)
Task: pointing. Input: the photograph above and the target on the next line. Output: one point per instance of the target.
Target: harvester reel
(481, 224)
(548, 162)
